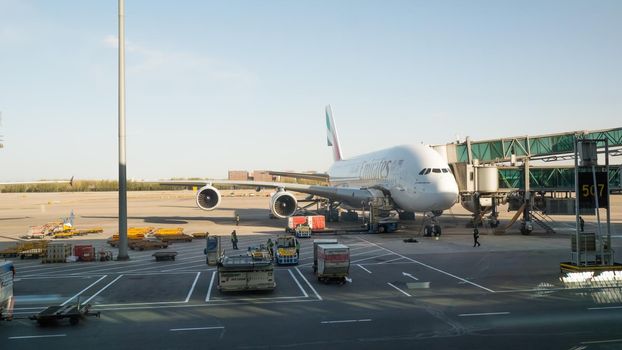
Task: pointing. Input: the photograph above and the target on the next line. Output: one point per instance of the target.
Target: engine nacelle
(208, 198)
(283, 204)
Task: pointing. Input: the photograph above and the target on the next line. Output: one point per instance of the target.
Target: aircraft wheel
(437, 230)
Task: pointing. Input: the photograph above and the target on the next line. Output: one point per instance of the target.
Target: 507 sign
(588, 193)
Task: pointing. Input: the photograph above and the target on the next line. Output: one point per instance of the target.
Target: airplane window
(444, 170)
(436, 170)
(422, 171)
(427, 171)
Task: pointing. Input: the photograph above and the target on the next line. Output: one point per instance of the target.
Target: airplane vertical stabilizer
(332, 136)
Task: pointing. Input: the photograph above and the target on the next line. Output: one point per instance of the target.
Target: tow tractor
(286, 250)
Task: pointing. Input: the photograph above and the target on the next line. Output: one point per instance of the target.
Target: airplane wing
(70, 182)
(307, 176)
(331, 192)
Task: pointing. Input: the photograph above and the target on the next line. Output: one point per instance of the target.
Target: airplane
(70, 182)
(407, 179)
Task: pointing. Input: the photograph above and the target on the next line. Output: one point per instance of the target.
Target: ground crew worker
(237, 220)
(475, 238)
(234, 240)
(270, 245)
(297, 249)
(581, 223)
(13, 270)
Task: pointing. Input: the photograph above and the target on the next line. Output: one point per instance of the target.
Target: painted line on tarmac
(485, 314)
(371, 257)
(298, 283)
(363, 268)
(41, 277)
(187, 267)
(103, 289)
(193, 285)
(209, 289)
(195, 329)
(38, 336)
(601, 341)
(309, 284)
(431, 267)
(346, 321)
(83, 290)
(390, 261)
(188, 305)
(605, 308)
(406, 294)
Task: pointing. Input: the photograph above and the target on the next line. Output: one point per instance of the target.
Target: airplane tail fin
(332, 138)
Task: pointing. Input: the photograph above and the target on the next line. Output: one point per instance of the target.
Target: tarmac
(434, 293)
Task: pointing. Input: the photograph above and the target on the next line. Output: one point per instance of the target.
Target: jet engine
(283, 204)
(208, 198)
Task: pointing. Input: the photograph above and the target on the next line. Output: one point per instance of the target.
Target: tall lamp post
(122, 163)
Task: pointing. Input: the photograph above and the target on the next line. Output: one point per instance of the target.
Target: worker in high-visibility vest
(270, 245)
(297, 249)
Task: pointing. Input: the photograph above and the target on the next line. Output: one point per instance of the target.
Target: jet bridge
(493, 172)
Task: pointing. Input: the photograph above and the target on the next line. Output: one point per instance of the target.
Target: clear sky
(218, 85)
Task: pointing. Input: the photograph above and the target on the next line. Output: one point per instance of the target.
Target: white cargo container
(6, 290)
(333, 262)
(317, 242)
(245, 272)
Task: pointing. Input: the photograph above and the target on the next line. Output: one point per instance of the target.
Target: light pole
(122, 163)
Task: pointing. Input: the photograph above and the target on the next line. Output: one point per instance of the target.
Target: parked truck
(6, 290)
(245, 272)
(333, 262)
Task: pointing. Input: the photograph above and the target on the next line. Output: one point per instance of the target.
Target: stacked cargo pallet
(57, 252)
(133, 234)
(172, 235)
(25, 249)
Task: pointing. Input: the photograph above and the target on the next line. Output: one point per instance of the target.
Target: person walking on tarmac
(475, 238)
(237, 219)
(581, 223)
(270, 245)
(297, 248)
(234, 240)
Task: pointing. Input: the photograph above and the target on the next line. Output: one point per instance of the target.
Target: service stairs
(542, 220)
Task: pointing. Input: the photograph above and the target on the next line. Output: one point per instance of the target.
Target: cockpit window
(445, 170)
(436, 170)
(427, 171)
(422, 171)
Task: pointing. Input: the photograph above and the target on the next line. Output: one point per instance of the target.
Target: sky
(219, 85)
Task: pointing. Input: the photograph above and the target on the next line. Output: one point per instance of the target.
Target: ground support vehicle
(317, 242)
(285, 250)
(58, 312)
(333, 263)
(147, 244)
(25, 249)
(295, 221)
(6, 290)
(303, 231)
(162, 256)
(245, 273)
(211, 250)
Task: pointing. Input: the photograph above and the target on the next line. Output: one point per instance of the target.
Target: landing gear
(407, 215)
(432, 230)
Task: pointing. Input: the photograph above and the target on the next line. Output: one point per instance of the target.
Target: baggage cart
(333, 263)
(58, 312)
(147, 244)
(162, 256)
(245, 273)
(317, 242)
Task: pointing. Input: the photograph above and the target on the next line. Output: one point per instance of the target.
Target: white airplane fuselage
(401, 170)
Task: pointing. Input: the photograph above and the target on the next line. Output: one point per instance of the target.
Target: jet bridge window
(436, 170)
